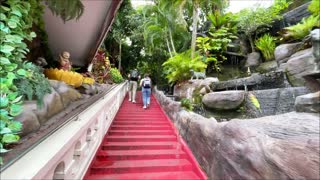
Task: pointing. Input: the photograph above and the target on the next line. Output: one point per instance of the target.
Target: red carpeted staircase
(143, 144)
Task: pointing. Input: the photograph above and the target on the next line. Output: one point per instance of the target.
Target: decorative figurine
(197, 75)
(64, 61)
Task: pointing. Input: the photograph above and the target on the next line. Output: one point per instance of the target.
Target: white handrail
(67, 153)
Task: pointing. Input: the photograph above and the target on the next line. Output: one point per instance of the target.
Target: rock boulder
(253, 59)
(308, 103)
(299, 65)
(283, 51)
(225, 100)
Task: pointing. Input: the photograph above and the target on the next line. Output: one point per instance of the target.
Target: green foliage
(314, 7)
(164, 23)
(116, 76)
(186, 104)
(220, 20)
(67, 10)
(33, 83)
(302, 29)
(259, 19)
(15, 30)
(178, 67)
(266, 44)
(213, 47)
(220, 35)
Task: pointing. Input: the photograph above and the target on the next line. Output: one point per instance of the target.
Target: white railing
(67, 153)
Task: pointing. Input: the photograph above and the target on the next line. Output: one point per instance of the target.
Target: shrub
(314, 7)
(302, 29)
(266, 44)
(17, 18)
(186, 104)
(116, 76)
(253, 21)
(178, 67)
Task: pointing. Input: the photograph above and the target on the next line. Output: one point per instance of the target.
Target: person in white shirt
(145, 83)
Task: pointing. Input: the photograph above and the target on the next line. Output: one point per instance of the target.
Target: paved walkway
(142, 144)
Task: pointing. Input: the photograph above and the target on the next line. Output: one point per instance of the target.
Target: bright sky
(136, 3)
(235, 5)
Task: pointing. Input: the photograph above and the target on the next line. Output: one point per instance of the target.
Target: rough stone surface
(52, 105)
(284, 51)
(253, 59)
(278, 101)
(299, 65)
(28, 118)
(67, 93)
(254, 82)
(282, 146)
(308, 103)
(224, 100)
(186, 89)
(267, 67)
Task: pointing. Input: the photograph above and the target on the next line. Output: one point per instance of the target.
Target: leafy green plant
(314, 7)
(186, 104)
(116, 76)
(266, 44)
(67, 10)
(300, 30)
(33, 83)
(15, 30)
(259, 19)
(214, 46)
(178, 67)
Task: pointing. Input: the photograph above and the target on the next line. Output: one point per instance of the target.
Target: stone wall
(278, 101)
(284, 146)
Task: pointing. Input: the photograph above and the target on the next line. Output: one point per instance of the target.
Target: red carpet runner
(142, 144)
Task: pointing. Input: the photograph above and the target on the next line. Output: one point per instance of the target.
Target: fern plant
(66, 9)
(266, 44)
(178, 67)
(314, 7)
(302, 29)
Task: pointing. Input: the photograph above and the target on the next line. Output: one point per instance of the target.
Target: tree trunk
(168, 45)
(119, 67)
(251, 43)
(194, 27)
(171, 40)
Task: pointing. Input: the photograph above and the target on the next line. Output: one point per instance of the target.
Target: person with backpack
(145, 83)
(133, 84)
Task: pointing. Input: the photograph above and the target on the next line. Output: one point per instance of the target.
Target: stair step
(141, 138)
(140, 154)
(138, 145)
(140, 166)
(139, 123)
(140, 127)
(185, 175)
(142, 118)
(141, 132)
